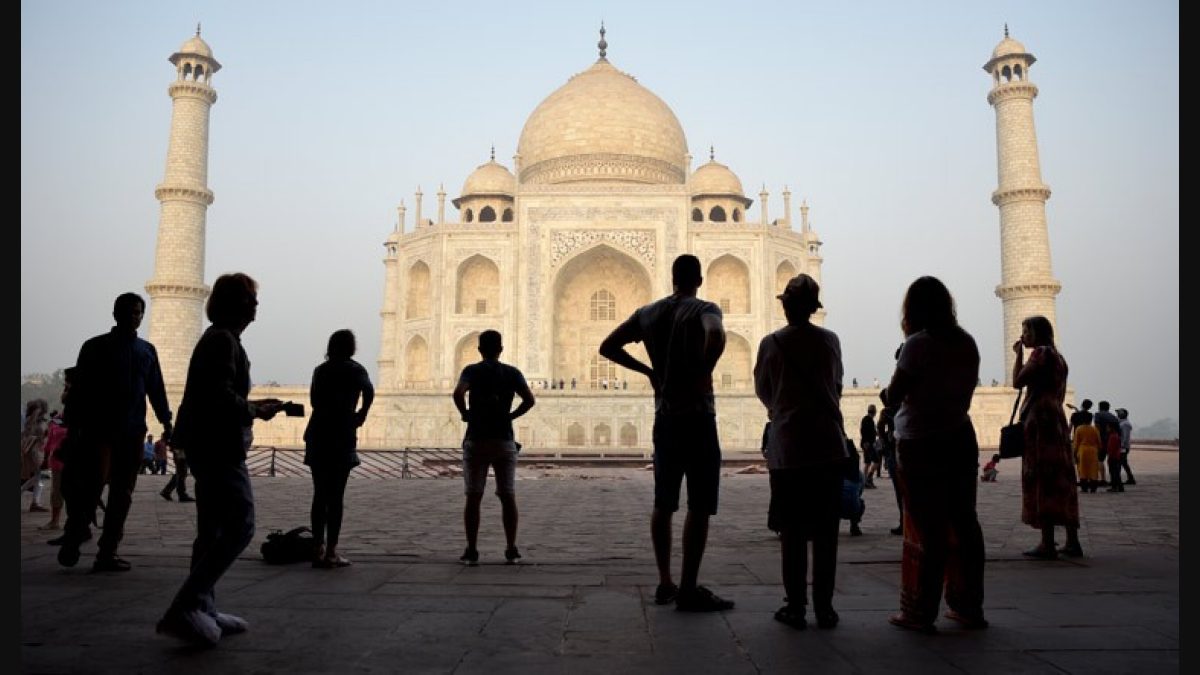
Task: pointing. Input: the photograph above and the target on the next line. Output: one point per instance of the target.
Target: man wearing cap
(798, 377)
(684, 337)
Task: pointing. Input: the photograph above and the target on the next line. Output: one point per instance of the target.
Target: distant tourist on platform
(1126, 435)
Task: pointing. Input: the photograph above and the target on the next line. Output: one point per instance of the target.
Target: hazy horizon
(874, 113)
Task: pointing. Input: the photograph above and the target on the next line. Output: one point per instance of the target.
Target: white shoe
(192, 626)
(230, 624)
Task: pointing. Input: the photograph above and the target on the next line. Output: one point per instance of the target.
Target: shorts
(479, 455)
(870, 454)
(686, 445)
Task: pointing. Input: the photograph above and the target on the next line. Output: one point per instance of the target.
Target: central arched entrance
(594, 292)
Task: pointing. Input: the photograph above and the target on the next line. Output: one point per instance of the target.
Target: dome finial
(1005, 29)
(602, 44)
(712, 155)
(493, 152)
(197, 29)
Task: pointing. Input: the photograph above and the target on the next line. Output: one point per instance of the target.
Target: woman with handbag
(1048, 482)
(934, 381)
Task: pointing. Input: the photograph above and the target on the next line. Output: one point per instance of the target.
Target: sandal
(904, 621)
(792, 616)
(970, 622)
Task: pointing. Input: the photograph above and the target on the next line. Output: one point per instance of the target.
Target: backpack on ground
(281, 548)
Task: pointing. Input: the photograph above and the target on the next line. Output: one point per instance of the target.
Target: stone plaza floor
(582, 599)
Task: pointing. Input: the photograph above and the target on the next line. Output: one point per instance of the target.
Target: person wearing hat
(798, 377)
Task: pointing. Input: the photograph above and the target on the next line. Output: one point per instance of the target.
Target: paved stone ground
(582, 601)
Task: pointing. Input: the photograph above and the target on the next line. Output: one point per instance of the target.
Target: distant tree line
(40, 385)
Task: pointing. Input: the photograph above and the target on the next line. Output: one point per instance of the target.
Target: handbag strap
(1016, 405)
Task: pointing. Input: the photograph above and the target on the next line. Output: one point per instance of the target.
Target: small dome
(1008, 47)
(195, 45)
(715, 178)
(490, 179)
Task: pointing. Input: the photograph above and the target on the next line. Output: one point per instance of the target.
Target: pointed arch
(783, 273)
(602, 434)
(507, 216)
(487, 215)
(697, 215)
(733, 370)
(629, 435)
(466, 352)
(478, 286)
(575, 434)
(576, 336)
(728, 284)
(416, 362)
(716, 214)
(418, 299)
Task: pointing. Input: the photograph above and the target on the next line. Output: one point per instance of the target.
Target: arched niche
(575, 434)
(466, 353)
(728, 284)
(734, 369)
(576, 335)
(629, 435)
(419, 288)
(416, 362)
(602, 434)
(783, 274)
(478, 286)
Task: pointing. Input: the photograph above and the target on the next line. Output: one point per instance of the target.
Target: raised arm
(522, 390)
(714, 338)
(613, 349)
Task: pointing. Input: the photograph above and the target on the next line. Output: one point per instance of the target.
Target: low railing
(405, 463)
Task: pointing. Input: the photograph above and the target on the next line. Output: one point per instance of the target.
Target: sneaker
(230, 624)
(665, 594)
(165, 495)
(470, 557)
(186, 498)
(191, 626)
(700, 599)
(1069, 551)
(1131, 482)
(1041, 553)
(511, 556)
(110, 564)
(855, 530)
(792, 616)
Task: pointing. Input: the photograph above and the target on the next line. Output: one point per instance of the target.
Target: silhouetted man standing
(113, 376)
(684, 338)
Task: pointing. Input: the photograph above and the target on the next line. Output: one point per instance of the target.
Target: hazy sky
(875, 112)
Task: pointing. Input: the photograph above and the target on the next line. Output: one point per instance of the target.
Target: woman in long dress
(1048, 479)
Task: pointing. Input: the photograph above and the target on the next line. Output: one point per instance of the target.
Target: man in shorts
(489, 441)
(684, 337)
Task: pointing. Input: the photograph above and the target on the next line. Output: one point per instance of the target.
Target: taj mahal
(555, 249)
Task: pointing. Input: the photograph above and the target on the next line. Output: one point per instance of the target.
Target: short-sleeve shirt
(944, 366)
(673, 332)
(491, 386)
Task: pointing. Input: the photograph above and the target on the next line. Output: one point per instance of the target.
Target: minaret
(787, 207)
(1026, 285)
(762, 206)
(177, 289)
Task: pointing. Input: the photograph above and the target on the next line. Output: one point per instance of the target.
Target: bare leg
(471, 518)
(508, 505)
(695, 536)
(660, 535)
